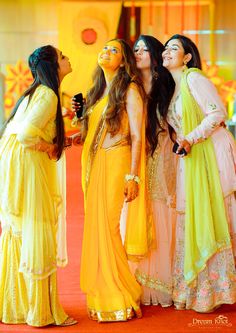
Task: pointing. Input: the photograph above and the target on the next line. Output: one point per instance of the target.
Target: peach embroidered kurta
(216, 284)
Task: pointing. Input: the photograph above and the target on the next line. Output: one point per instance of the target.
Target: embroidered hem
(119, 315)
(153, 283)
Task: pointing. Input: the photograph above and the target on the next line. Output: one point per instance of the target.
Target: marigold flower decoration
(228, 92)
(212, 73)
(226, 89)
(18, 79)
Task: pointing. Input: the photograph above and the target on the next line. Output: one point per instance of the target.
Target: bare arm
(134, 107)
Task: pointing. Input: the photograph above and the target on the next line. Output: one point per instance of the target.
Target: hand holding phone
(67, 142)
(78, 98)
(181, 152)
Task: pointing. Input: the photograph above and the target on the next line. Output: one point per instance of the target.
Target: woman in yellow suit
(113, 163)
(30, 198)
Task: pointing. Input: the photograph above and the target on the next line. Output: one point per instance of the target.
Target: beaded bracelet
(132, 177)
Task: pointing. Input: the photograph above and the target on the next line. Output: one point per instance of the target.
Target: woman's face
(174, 56)
(142, 55)
(111, 56)
(64, 64)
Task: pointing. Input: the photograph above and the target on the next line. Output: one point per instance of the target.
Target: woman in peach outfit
(155, 272)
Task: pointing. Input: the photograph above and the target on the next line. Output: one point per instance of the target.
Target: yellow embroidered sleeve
(41, 109)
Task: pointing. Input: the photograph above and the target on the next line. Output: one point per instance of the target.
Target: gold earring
(155, 75)
(185, 66)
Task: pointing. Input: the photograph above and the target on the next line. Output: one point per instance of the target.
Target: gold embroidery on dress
(153, 283)
(161, 170)
(95, 144)
(173, 118)
(119, 315)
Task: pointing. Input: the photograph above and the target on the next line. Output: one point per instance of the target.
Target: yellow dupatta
(39, 250)
(96, 132)
(206, 227)
(94, 138)
(140, 233)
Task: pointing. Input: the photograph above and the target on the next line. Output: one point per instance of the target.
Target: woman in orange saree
(113, 164)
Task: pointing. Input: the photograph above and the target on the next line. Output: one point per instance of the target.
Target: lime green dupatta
(206, 226)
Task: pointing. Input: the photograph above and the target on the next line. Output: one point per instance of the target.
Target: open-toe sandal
(68, 322)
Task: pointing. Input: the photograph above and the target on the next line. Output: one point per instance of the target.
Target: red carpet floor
(155, 319)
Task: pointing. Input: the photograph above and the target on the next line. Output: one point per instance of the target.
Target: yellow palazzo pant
(24, 300)
(112, 291)
(27, 185)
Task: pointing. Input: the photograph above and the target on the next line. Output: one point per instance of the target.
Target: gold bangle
(132, 177)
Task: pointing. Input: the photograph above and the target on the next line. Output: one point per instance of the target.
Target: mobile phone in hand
(181, 152)
(67, 142)
(78, 98)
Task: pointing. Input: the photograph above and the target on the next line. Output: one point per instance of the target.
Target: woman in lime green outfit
(204, 269)
(113, 165)
(31, 201)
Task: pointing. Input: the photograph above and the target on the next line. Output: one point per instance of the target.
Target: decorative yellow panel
(84, 27)
(18, 79)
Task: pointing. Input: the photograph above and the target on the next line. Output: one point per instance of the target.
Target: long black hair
(189, 47)
(43, 63)
(162, 90)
